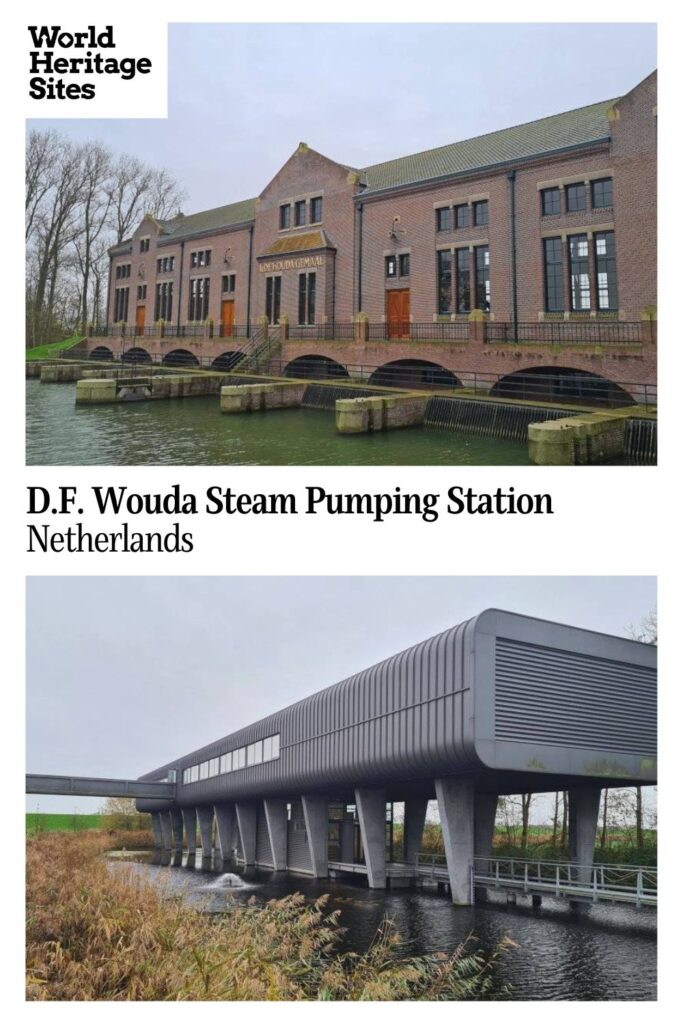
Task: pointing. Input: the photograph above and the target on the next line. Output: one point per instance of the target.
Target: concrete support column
(156, 829)
(315, 817)
(205, 816)
(584, 807)
(485, 807)
(456, 810)
(177, 829)
(246, 822)
(166, 831)
(225, 826)
(190, 822)
(346, 839)
(372, 808)
(413, 827)
(276, 820)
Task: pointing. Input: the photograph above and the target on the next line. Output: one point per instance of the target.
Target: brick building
(539, 234)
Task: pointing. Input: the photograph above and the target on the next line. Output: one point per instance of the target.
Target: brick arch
(227, 361)
(136, 355)
(561, 383)
(316, 366)
(101, 352)
(414, 373)
(180, 357)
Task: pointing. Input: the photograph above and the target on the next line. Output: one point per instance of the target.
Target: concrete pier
(239, 398)
(166, 831)
(102, 390)
(226, 826)
(379, 412)
(584, 808)
(587, 439)
(190, 822)
(205, 817)
(371, 805)
(177, 830)
(246, 822)
(276, 820)
(156, 830)
(413, 827)
(456, 811)
(315, 817)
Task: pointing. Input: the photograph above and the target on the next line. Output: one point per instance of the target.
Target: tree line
(81, 198)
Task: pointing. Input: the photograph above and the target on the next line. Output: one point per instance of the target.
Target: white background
(611, 520)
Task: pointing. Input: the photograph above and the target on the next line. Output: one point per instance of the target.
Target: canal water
(192, 432)
(603, 952)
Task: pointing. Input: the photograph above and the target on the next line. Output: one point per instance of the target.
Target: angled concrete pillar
(246, 822)
(225, 826)
(205, 816)
(315, 817)
(456, 810)
(177, 829)
(347, 839)
(584, 807)
(485, 807)
(156, 829)
(413, 827)
(276, 820)
(371, 805)
(166, 831)
(190, 822)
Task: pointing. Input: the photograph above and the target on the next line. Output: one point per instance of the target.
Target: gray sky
(241, 97)
(125, 673)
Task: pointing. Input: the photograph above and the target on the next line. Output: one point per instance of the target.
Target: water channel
(192, 432)
(603, 952)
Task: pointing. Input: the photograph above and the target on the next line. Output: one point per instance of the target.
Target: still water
(192, 432)
(602, 953)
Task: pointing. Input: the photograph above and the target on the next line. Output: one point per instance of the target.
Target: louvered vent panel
(553, 697)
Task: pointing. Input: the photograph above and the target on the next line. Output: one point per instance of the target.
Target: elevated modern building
(500, 704)
(529, 249)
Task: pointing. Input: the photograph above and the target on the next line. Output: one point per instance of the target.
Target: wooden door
(140, 320)
(398, 313)
(227, 317)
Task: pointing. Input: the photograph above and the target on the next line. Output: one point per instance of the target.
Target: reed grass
(98, 934)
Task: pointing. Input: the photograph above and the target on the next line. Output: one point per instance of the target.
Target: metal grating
(549, 696)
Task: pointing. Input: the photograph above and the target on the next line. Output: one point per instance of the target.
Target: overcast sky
(126, 673)
(241, 97)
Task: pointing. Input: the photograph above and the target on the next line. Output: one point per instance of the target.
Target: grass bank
(53, 348)
(96, 934)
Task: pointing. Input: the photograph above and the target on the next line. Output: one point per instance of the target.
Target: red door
(227, 317)
(140, 320)
(398, 313)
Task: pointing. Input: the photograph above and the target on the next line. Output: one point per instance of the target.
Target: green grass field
(37, 822)
(45, 351)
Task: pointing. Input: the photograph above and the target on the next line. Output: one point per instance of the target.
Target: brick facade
(362, 225)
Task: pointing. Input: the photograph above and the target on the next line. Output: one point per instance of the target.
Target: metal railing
(322, 332)
(566, 332)
(616, 883)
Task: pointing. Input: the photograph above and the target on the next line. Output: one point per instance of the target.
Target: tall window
(228, 283)
(554, 274)
(462, 216)
(550, 202)
(163, 304)
(306, 298)
(579, 278)
(390, 266)
(199, 298)
(462, 281)
(285, 216)
(443, 219)
(201, 258)
(444, 285)
(481, 258)
(606, 270)
(316, 210)
(142, 292)
(576, 197)
(481, 212)
(165, 264)
(300, 213)
(122, 271)
(144, 245)
(273, 291)
(404, 264)
(601, 191)
(121, 305)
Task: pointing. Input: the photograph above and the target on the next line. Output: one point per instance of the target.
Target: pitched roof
(298, 243)
(209, 220)
(560, 131)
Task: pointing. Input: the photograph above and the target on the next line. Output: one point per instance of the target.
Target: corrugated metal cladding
(408, 716)
(298, 853)
(555, 697)
(264, 853)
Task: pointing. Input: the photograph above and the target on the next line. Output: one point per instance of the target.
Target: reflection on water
(193, 432)
(603, 952)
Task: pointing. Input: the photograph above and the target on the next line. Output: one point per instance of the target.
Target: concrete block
(95, 392)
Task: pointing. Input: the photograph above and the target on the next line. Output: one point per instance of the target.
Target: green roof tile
(573, 128)
(210, 220)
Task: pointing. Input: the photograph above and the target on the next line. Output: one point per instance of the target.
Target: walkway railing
(615, 883)
(566, 332)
